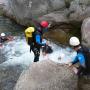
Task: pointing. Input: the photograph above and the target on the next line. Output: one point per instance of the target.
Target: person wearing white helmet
(82, 57)
(4, 38)
(3, 34)
(74, 41)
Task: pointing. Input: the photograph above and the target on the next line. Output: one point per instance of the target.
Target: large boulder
(7, 25)
(58, 36)
(79, 10)
(47, 75)
(24, 10)
(56, 16)
(85, 30)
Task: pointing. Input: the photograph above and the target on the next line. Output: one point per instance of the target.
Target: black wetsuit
(3, 39)
(36, 45)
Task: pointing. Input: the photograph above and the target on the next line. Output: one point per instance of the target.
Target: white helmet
(2, 34)
(74, 41)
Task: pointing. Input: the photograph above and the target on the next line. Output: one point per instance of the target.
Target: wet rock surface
(9, 76)
(84, 83)
(9, 26)
(58, 36)
(47, 75)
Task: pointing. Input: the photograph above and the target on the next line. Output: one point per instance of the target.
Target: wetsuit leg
(36, 52)
(81, 71)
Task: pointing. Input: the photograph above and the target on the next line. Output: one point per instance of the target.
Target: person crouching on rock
(83, 56)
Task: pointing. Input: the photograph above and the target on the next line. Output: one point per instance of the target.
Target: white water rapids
(17, 52)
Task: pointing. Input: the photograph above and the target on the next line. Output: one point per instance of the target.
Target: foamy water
(17, 52)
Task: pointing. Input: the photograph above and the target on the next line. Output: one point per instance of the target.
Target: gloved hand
(70, 64)
(47, 43)
(44, 41)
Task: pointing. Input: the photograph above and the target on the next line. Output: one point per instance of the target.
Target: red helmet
(44, 24)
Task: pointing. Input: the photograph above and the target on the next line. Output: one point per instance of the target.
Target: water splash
(17, 52)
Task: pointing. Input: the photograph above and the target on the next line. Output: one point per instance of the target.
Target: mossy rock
(58, 36)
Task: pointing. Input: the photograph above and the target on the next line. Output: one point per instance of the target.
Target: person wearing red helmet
(42, 27)
(37, 35)
(44, 24)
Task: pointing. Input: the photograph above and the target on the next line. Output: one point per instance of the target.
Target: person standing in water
(34, 38)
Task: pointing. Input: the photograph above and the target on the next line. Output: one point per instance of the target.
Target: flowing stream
(15, 55)
(17, 52)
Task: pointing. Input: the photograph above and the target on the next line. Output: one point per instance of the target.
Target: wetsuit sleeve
(75, 60)
(81, 59)
(38, 40)
(3, 40)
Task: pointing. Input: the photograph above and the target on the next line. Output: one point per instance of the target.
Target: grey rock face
(24, 10)
(47, 75)
(57, 16)
(79, 9)
(85, 30)
(9, 76)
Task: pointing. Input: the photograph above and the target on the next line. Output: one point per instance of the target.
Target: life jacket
(86, 52)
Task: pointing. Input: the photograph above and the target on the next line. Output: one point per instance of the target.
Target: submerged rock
(58, 36)
(47, 75)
